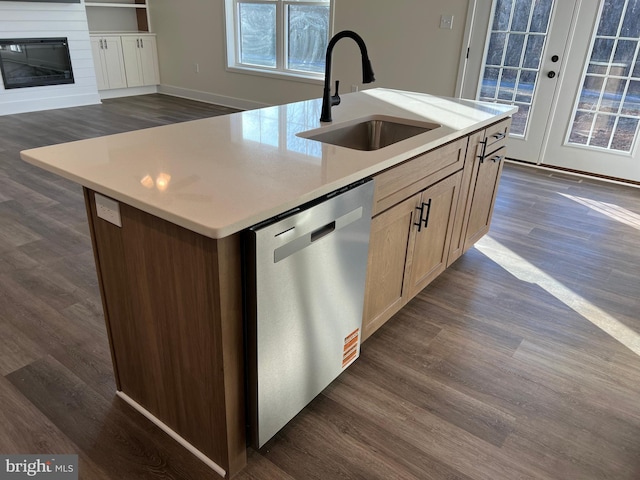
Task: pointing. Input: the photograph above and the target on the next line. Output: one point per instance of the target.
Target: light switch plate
(108, 209)
(446, 22)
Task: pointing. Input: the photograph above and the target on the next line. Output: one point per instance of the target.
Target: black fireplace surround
(34, 62)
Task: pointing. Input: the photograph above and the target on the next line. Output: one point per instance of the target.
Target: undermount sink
(372, 133)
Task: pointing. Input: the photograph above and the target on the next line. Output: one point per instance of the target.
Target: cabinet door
(99, 64)
(114, 63)
(130, 52)
(471, 163)
(149, 60)
(388, 247)
(431, 246)
(484, 197)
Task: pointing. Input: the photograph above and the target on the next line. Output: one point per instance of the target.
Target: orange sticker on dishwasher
(350, 350)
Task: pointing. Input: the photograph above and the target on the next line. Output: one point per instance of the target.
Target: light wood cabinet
(427, 212)
(483, 165)
(484, 196)
(398, 183)
(432, 233)
(140, 60)
(108, 62)
(390, 238)
(469, 175)
(409, 241)
(489, 167)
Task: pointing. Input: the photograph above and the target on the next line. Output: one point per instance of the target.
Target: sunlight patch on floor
(527, 272)
(612, 211)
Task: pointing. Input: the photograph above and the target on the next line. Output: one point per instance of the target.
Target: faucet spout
(367, 72)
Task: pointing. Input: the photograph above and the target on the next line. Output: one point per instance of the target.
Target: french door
(595, 124)
(573, 69)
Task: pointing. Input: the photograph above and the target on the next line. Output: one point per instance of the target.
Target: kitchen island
(167, 237)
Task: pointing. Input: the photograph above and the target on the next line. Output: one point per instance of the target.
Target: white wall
(408, 50)
(33, 20)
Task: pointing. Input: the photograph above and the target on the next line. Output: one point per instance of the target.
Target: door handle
(426, 218)
(551, 74)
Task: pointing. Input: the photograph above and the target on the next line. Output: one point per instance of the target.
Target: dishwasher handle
(306, 240)
(322, 231)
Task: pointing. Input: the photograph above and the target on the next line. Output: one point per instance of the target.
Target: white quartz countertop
(220, 175)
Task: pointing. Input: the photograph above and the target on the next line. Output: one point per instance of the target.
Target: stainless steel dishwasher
(305, 277)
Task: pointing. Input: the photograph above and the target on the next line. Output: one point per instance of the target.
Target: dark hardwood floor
(522, 361)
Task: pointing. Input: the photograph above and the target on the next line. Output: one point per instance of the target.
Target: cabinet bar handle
(499, 136)
(141, 43)
(138, 42)
(419, 222)
(426, 218)
(483, 149)
(497, 158)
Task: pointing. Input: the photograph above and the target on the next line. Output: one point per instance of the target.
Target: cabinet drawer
(496, 136)
(403, 180)
(497, 155)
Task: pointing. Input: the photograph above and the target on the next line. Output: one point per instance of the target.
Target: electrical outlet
(196, 67)
(354, 87)
(108, 209)
(446, 22)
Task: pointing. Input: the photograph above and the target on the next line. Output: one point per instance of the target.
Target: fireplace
(34, 62)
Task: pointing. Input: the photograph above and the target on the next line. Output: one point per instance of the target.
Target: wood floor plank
(111, 434)
(418, 386)
(260, 468)
(357, 448)
(16, 349)
(453, 446)
(18, 435)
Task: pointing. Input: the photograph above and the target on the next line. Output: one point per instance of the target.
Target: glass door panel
(607, 110)
(513, 57)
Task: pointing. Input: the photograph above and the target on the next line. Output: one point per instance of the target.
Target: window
(282, 37)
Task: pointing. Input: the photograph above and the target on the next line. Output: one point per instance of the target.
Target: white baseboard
(127, 92)
(201, 456)
(10, 108)
(571, 173)
(207, 97)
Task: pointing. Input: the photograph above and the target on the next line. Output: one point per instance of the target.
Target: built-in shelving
(118, 16)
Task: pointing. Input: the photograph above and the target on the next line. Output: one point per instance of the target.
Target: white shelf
(116, 5)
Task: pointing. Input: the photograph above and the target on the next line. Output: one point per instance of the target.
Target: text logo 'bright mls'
(58, 467)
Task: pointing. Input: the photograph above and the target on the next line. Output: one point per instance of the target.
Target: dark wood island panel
(172, 301)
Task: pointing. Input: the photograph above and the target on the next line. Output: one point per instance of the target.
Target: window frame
(232, 38)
